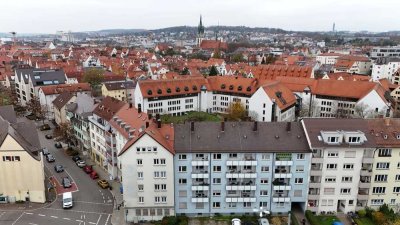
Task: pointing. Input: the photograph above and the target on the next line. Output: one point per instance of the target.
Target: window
(182, 181)
(331, 166)
(216, 180)
(163, 174)
(300, 156)
(246, 204)
(216, 193)
(351, 202)
(397, 178)
(354, 139)
(232, 205)
(141, 199)
(139, 162)
(385, 152)
(216, 156)
(163, 199)
(345, 191)
(393, 201)
(263, 193)
(183, 205)
(140, 187)
(330, 179)
(381, 178)
(156, 161)
(329, 191)
(347, 179)
(382, 165)
(378, 190)
(140, 174)
(182, 168)
(232, 155)
(217, 168)
(216, 204)
(396, 190)
(348, 166)
(264, 181)
(157, 199)
(266, 156)
(299, 169)
(265, 169)
(162, 161)
(333, 154)
(298, 180)
(7, 158)
(376, 201)
(157, 187)
(333, 139)
(182, 157)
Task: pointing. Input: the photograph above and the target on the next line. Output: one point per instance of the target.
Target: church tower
(200, 33)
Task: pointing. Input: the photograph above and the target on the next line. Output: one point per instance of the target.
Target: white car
(81, 163)
(236, 221)
(263, 221)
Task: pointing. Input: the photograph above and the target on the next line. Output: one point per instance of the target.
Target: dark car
(58, 168)
(31, 116)
(57, 145)
(44, 127)
(66, 182)
(88, 169)
(50, 158)
(48, 136)
(76, 158)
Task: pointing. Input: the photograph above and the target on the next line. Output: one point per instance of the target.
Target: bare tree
(361, 111)
(65, 132)
(305, 109)
(37, 109)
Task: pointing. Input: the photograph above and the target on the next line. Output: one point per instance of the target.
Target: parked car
(88, 169)
(94, 175)
(31, 116)
(58, 145)
(103, 184)
(76, 158)
(66, 182)
(48, 136)
(44, 127)
(263, 221)
(80, 163)
(45, 151)
(58, 168)
(50, 158)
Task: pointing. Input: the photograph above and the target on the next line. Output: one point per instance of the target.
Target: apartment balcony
(240, 187)
(200, 188)
(199, 174)
(313, 196)
(280, 185)
(366, 172)
(242, 162)
(241, 199)
(368, 159)
(314, 185)
(282, 175)
(202, 199)
(281, 199)
(361, 204)
(200, 162)
(250, 174)
(317, 160)
(363, 194)
(364, 184)
(200, 158)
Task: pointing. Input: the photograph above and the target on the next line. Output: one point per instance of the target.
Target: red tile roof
(283, 96)
(213, 44)
(60, 88)
(108, 107)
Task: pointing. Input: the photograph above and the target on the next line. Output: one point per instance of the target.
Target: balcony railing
(199, 171)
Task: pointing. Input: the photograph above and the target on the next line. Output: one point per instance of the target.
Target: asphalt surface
(92, 204)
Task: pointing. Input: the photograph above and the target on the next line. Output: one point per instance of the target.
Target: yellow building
(119, 90)
(21, 163)
(384, 181)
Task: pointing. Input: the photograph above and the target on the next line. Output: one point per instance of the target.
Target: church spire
(200, 29)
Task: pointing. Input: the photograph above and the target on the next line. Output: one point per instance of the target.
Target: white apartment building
(388, 51)
(148, 174)
(328, 58)
(385, 67)
(342, 159)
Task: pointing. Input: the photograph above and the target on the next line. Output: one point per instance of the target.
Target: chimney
(222, 126)
(130, 105)
(150, 116)
(192, 126)
(139, 108)
(387, 121)
(147, 124)
(158, 123)
(288, 126)
(255, 126)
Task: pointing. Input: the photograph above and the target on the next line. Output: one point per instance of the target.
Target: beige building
(120, 90)
(21, 163)
(60, 114)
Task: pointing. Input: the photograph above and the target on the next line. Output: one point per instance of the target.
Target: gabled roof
(119, 85)
(282, 95)
(233, 84)
(41, 77)
(385, 132)
(270, 72)
(62, 99)
(57, 89)
(130, 117)
(108, 107)
(213, 44)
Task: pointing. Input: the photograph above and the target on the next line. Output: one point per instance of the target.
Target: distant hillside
(227, 28)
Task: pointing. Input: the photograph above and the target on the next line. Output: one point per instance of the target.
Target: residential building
(385, 51)
(28, 82)
(385, 67)
(21, 162)
(78, 113)
(353, 64)
(147, 163)
(238, 167)
(103, 144)
(328, 58)
(120, 90)
(60, 103)
(341, 163)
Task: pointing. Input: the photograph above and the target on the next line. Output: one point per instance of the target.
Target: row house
(28, 82)
(236, 168)
(121, 90)
(102, 140)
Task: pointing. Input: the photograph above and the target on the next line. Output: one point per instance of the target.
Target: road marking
(91, 223)
(76, 185)
(77, 211)
(84, 216)
(97, 220)
(108, 217)
(29, 213)
(41, 215)
(55, 217)
(94, 203)
(66, 219)
(32, 223)
(18, 219)
(79, 221)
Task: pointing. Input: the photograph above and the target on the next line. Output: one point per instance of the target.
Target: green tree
(238, 58)
(236, 112)
(217, 54)
(213, 71)
(94, 77)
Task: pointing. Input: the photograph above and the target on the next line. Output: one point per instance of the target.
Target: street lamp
(308, 90)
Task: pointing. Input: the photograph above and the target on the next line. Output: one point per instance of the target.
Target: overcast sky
(48, 16)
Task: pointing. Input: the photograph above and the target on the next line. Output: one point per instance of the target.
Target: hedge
(311, 218)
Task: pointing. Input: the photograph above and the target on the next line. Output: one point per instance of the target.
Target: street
(92, 204)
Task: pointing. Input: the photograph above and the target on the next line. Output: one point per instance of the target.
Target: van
(236, 221)
(263, 221)
(67, 200)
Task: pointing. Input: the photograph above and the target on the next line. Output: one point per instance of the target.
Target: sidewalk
(299, 214)
(118, 217)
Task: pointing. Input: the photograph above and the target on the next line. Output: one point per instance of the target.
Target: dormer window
(177, 89)
(248, 88)
(159, 91)
(186, 88)
(222, 86)
(354, 140)
(239, 88)
(168, 90)
(333, 140)
(230, 87)
(194, 88)
(149, 92)
(398, 136)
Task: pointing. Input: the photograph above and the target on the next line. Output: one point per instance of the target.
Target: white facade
(149, 194)
(391, 51)
(327, 59)
(381, 71)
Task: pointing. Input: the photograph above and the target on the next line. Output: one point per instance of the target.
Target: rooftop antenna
(14, 34)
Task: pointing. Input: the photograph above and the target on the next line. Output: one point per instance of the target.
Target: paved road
(92, 205)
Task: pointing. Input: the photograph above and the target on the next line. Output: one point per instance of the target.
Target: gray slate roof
(84, 105)
(207, 137)
(42, 77)
(119, 85)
